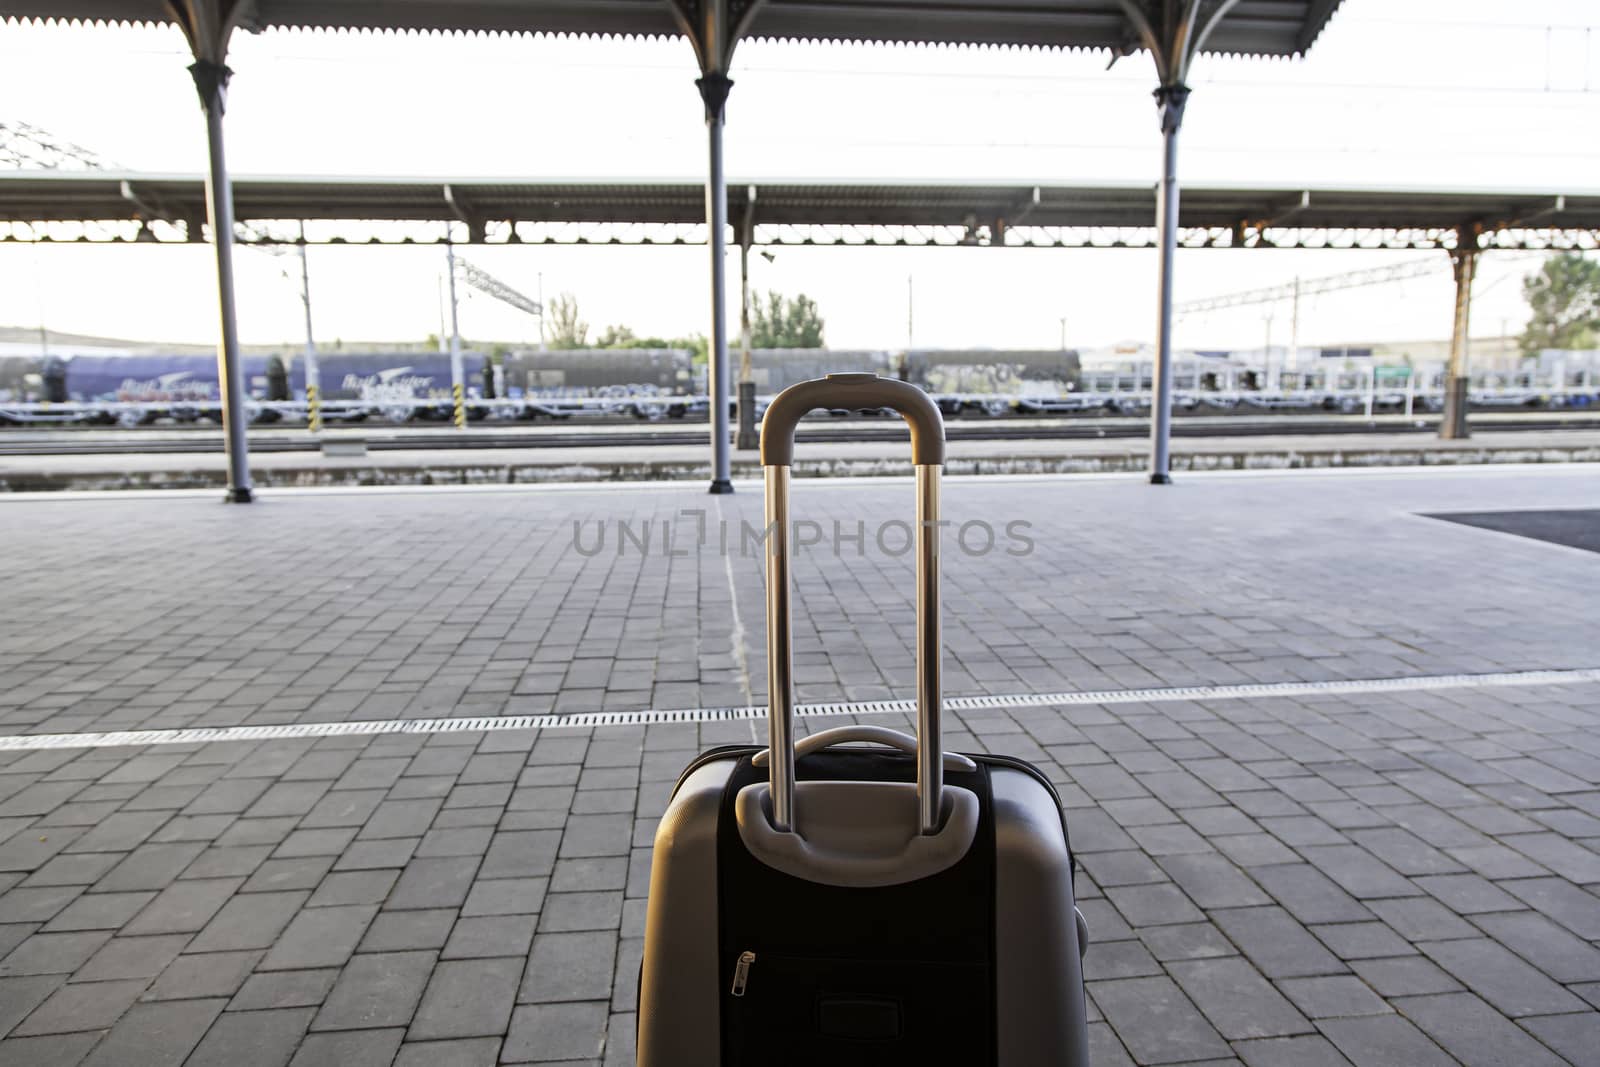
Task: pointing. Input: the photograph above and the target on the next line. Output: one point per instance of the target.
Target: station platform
(676, 462)
(353, 777)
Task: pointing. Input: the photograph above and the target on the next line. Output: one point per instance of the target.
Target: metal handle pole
(930, 759)
(780, 651)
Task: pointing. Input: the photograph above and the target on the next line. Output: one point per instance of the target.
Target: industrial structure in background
(1174, 31)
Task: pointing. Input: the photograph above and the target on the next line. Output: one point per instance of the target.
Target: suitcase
(898, 904)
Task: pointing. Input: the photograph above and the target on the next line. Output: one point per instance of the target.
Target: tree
(1565, 298)
(562, 326)
(616, 337)
(778, 322)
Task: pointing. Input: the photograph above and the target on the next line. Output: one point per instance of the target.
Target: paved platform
(678, 462)
(1275, 872)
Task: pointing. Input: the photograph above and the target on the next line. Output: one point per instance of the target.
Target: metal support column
(1171, 100)
(458, 410)
(748, 438)
(1465, 259)
(714, 89)
(313, 375)
(211, 80)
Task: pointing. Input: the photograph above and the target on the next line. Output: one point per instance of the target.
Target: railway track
(184, 440)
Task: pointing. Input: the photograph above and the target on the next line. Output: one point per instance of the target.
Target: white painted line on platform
(652, 717)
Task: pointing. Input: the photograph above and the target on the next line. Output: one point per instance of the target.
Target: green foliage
(624, 337)
(562, 326)
(778, 322)
(1565, 298)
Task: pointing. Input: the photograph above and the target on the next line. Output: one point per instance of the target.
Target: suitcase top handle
(853, 392)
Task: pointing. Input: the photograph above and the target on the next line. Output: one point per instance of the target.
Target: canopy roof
(105, 196)
(1252, 27)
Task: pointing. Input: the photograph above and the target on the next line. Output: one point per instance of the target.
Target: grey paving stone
(150, 866)
(1421, 919)
(40, 905)
(238, 862)
(20, 995)
(132, 957)
(1474, 1032)
(1362, 941)
(569, 967)
(542, 1033)
(468, 998)
(57, 1050)
(1212, 881)
(277, 875)
(156, 1035)
(183, 907)
(1116, 959)
(252, 1039)
(1504, 980)
(529, 853)
(320, 937)
(1183, 941)
(82, 1006)
(1156, 1021)
(1308, 894)
(350, 1048)
(98, 911)
(593, 835)
(353, 887)
(77, 869)
(376, 990)
(1575, 1037)
(1153, 905)
(1360, 873)
(284, 989)
(251, 920)
(398, 931)
(467, 1052)
(434, 883)
(1548, 947)
(506, 896)
(1306, 1051)
(1404, 976)
(1333, 996)
(581, 911)
(1384, 1041)
(1468, 894)
(499, 935)
(377, 855)
(1560, 900)
(1276, 944)
(210, 974)
(1236, 999)
(53, 953)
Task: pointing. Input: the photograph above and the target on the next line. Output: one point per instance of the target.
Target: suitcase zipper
(741, 972)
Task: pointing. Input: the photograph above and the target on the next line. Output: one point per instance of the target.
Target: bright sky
(1476, 93)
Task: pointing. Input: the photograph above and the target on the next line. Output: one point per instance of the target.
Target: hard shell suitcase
(907, 906)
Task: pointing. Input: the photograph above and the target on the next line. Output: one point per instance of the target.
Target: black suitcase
(893, 907)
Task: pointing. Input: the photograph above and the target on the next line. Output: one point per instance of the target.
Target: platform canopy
(1252, 27)
(810, 212)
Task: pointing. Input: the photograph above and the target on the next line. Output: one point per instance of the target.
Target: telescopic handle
(777, 455)
(853, 392)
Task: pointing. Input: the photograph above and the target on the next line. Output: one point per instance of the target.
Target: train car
(396, 386)
(178, 386)
(994, 381)
(775, 369)
(648, 383)
(31, 379)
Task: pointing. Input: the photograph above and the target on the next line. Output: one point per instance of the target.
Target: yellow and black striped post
(313, 409)
(461, 406)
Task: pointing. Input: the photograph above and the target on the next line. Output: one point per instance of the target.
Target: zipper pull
(741, 972)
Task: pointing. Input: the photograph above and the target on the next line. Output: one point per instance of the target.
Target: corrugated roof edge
(433, 31)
